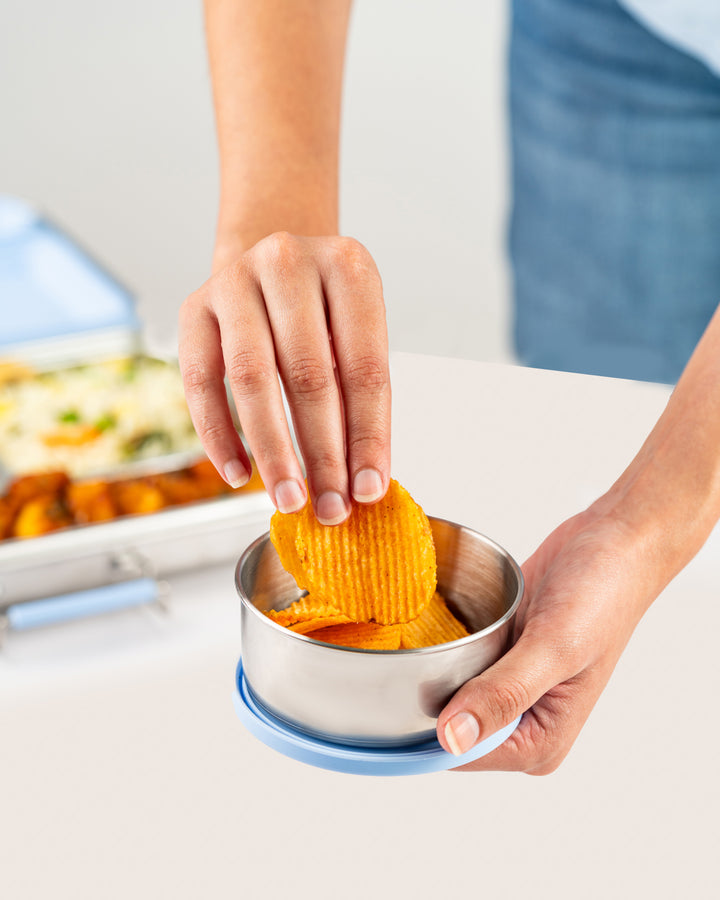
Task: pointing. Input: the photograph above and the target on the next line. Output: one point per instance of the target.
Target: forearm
(669, 496)
(277, 68)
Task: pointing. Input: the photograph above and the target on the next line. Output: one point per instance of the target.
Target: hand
(309, 310)
(586, 589)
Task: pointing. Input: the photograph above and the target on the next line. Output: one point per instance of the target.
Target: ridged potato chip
(282, 534)
(377, 566)
(307, 614)
(435, 625)
(363, 635)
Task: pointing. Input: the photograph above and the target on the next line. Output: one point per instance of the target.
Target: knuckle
(210, 429)
(367, 445)
(367, 373)
(546, 767)
(549, 754)
(325, 461)
(351, 256)
(326, 469)
(234, 277)
(272, 450)
(197, 378)
(280, 250)
(307, 379)
(247, 375)
(508, 701)
(190, 308)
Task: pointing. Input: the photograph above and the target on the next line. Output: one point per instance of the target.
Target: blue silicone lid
(417, 759)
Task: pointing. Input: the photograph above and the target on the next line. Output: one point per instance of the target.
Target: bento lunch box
(61, 309)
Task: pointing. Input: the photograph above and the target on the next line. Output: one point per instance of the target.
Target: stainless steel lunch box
(375, 698)
(63, 574)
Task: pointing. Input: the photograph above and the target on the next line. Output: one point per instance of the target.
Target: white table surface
(125, 772)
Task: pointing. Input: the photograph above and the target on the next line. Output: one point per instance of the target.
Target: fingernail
(289, 496)
(462, 732)
(330, 508)
(367, 486)
(235, 473)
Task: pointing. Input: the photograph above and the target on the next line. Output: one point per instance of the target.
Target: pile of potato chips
(371, 580)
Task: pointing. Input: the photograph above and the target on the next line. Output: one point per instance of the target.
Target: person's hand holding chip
(306, 309)
(307, 312)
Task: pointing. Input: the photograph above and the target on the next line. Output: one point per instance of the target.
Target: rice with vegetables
(93, 418)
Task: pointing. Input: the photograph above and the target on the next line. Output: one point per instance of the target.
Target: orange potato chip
(282, 534)
(435, 625)
(364, 635)
(379, 565)
(320, 622)
(307, 614)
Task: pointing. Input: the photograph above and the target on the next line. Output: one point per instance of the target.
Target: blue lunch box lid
(411, 760)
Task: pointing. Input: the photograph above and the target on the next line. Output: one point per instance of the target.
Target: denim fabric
(615, 224)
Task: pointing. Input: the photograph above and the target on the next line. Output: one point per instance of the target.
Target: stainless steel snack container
(375, 698)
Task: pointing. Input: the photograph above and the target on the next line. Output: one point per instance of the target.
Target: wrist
(233, 238)
(664, 519)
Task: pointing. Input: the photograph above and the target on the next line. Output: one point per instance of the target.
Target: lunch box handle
(79, 604)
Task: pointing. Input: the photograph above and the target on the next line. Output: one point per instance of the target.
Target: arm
(670, 493)
(289, 300)
(277, 69)
(592, 579)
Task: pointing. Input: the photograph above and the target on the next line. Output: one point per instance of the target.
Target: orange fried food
(7, 517)
(307, 614)
(180, 487)
(90, 501)
(29, 486)
(80, 502)
(379, 565)
(40, 516)
(255, 483)
(206, 476)
(435, 625)
(137, 497)
(363, 635)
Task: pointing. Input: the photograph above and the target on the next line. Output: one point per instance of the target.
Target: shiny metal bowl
(375, 697)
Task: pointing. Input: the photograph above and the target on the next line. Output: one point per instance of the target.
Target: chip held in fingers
(371, 580)
(377, 566)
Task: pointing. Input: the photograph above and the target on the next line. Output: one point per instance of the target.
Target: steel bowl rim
(415, 651)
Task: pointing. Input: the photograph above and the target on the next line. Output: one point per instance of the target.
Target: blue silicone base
(414, 760)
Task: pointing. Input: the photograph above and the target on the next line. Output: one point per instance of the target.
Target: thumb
(499, 695)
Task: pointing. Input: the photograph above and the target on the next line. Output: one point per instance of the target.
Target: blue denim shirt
(614, 231)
